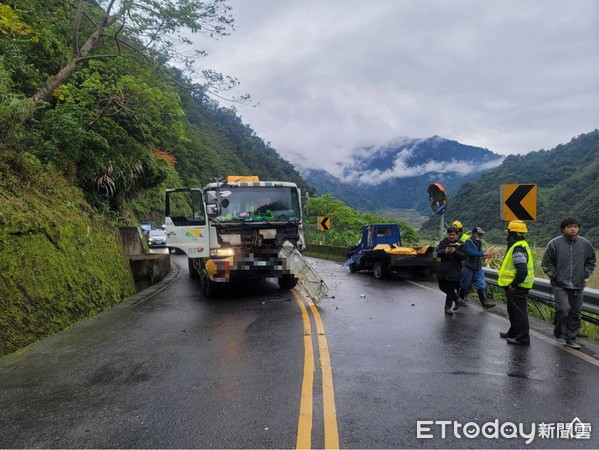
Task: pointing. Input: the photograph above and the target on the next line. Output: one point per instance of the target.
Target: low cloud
(332, 76)
(402, 169)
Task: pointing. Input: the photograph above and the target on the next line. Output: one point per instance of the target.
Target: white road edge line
(542, 337)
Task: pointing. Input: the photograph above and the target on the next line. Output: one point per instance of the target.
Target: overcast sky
(330, 76)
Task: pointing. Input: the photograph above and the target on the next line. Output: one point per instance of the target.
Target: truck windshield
(244, 204)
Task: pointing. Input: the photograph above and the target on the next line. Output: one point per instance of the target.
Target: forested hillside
(219, 144)
(94, 125)
(122, 122)
(568, 184)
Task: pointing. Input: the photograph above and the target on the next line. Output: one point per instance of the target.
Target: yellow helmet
(517, 226)
(457, 224)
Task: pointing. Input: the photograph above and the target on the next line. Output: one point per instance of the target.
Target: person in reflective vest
(464, 237)
(516, 276)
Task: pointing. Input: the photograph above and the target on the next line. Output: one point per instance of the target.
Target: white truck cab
(240, 228)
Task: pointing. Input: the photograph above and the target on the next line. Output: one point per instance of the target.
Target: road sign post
(438, 200)
(324, 224)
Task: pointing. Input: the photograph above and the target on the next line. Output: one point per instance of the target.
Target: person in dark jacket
(450, 266)
(472, 268)
(516, 276)
(569, 260)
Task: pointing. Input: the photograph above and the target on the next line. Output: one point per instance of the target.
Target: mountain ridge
(397, 173)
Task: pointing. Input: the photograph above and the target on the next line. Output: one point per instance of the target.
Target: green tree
(567, 178)
(136, 27)
(112, 118)
(346, 223)
(10, 23)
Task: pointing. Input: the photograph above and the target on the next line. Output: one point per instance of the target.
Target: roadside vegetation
(538, 309)
(346, 226)
(346, 223)
(546, 313)
(60, 261)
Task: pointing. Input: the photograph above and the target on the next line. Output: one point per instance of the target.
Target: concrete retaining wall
(147, 268)
(131, 241)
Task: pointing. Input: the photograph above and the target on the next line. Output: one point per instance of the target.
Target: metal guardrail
(341, 252)
(540, 291)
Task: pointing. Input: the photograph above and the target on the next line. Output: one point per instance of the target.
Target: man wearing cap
(516, 276)
(472, 268)
(569, 260)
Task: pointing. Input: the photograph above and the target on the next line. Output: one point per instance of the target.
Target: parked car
(157, 238)
(146, 227)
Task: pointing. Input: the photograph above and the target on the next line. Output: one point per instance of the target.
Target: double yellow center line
(304, 426)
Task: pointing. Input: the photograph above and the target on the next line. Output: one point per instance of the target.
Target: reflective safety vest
(464, 237)
(507, 272)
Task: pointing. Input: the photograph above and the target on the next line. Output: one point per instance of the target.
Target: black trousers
(451, 289)
(568, 312)
(516, 309)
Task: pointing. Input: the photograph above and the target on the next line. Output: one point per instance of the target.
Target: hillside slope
(221, 144)
(59, 261)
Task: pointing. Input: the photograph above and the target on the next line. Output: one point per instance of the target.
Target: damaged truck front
(241, 229)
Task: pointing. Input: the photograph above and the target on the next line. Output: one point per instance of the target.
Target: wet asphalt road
(176, 370)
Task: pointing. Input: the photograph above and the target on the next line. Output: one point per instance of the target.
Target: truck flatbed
(381, 252)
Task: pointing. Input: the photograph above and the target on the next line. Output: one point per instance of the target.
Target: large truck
(241, 228)
(380, 251)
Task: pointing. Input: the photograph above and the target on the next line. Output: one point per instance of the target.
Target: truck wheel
(380, 271)
(193, 272)
(287, 282)
(209, 287)
(353, 268)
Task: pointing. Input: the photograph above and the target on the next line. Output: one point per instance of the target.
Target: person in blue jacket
(472, 269)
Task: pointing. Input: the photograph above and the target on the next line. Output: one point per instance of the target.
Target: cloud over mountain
(397, 173)
(405, 158)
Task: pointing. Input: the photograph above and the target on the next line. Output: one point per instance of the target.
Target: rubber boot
(460, 302)
(482, 296)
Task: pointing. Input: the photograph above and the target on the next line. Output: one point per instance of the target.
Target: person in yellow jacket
(516, 276)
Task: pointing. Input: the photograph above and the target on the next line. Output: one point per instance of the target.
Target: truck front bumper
(240, 267)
